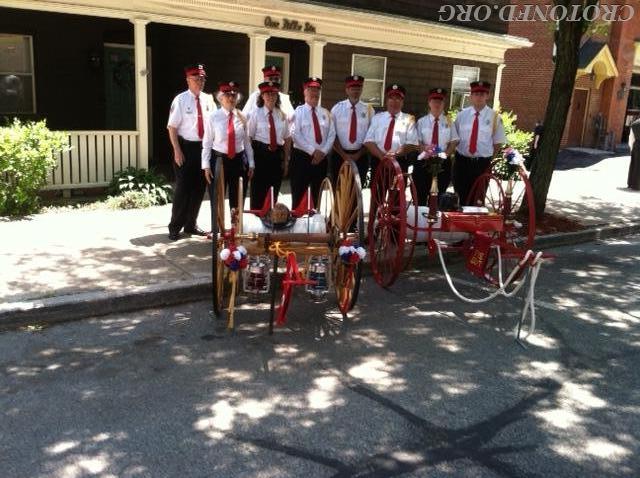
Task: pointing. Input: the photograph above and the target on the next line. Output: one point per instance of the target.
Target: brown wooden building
(106, 71)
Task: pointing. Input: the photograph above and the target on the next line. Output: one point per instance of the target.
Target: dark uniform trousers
(303, 174)
(335, 163)
(422, 180)
(189, 190)
(234, 169)
(465, 171)
(267, 173)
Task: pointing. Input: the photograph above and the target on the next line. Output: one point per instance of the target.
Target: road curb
(92, 304)
(586, 235)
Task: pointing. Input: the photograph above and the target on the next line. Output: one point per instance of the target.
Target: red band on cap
(481, 89)
(312, 84)
(195, 72)
(354, 83)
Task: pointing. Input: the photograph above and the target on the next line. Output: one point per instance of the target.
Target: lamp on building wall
(95, 60)
(623, 89)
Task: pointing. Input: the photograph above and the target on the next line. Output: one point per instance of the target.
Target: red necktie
(435, 138)
(231, 137)
(316, 126)
(473, 141)
(354, 125)
(389, 137)
(273, 144)
(200, 120)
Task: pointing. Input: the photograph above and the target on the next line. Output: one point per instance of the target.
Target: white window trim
(452, 78)
(384, 73)
(284, 87)
(33, 73)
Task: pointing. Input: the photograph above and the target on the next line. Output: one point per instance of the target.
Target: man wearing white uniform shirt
(271, 73)
(392, 133)
(189, 112)
(352, 118)
(481, 135)
(435, 130)
(313, 135)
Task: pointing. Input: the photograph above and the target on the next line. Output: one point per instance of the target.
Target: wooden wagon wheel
(411, 197)
(218, 270)
(387, 222)
(349, 221)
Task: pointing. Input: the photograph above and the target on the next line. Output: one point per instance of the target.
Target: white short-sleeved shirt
(251, 105)
(404, 131)
(487, 136)
(303, 133)
(341, 113)
(446, 131)
(259, 128)
(183, 114)
(216, 135)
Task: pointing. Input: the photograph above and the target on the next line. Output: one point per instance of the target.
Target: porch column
(142, 114)
(316, 50)
(257, 53)
(496, 90)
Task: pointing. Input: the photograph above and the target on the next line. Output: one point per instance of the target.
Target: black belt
(255, 143)
(472, 158)
(351, 151)
(301, 151)
(180, 138)
(218, 154)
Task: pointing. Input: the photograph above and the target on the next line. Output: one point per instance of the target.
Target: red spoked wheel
(506, 197)
(387, 227)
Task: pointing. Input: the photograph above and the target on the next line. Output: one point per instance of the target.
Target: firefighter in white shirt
(435, 129)
(313, 135)
(270, 73)
(226, 139)
(481, 135)
(392, 133)
(271, 142)
(352, 118)
(189, 112)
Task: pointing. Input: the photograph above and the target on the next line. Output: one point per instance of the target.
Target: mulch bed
(553, 224)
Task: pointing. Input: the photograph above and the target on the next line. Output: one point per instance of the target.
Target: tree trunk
(564, 77)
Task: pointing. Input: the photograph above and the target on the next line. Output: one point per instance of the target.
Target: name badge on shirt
(188, 111)
(487, 122)
(363, 115)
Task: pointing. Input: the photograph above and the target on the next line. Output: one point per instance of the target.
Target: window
(460, 86)
(373, 69)
(281, 60)
(17, 89)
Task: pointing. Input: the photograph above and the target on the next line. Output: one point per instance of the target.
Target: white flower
(361, 252)
(236, 255)
(242, 249)
(224, 254)
(442, 155)
(342, 250)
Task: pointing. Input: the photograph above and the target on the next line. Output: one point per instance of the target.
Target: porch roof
(329, 23)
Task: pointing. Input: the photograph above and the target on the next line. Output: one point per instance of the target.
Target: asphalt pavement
(415, 383)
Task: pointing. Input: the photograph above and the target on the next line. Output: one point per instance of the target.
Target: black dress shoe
(174, 236)
(196, 231)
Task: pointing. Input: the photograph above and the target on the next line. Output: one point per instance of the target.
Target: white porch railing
(94, 158)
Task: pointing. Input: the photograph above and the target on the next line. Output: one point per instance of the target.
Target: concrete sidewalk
(60, 266)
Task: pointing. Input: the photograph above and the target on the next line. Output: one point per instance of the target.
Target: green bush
(27, 155)
(131, 200)
(148, 182)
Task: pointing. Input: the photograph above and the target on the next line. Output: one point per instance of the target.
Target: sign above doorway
(286, 24)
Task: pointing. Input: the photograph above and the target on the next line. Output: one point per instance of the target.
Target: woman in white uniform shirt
(225, 135)
(271, 142)
(435, 129)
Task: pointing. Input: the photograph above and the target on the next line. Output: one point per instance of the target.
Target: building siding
(417, 73)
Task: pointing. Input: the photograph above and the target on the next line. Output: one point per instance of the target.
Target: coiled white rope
(534, 269)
